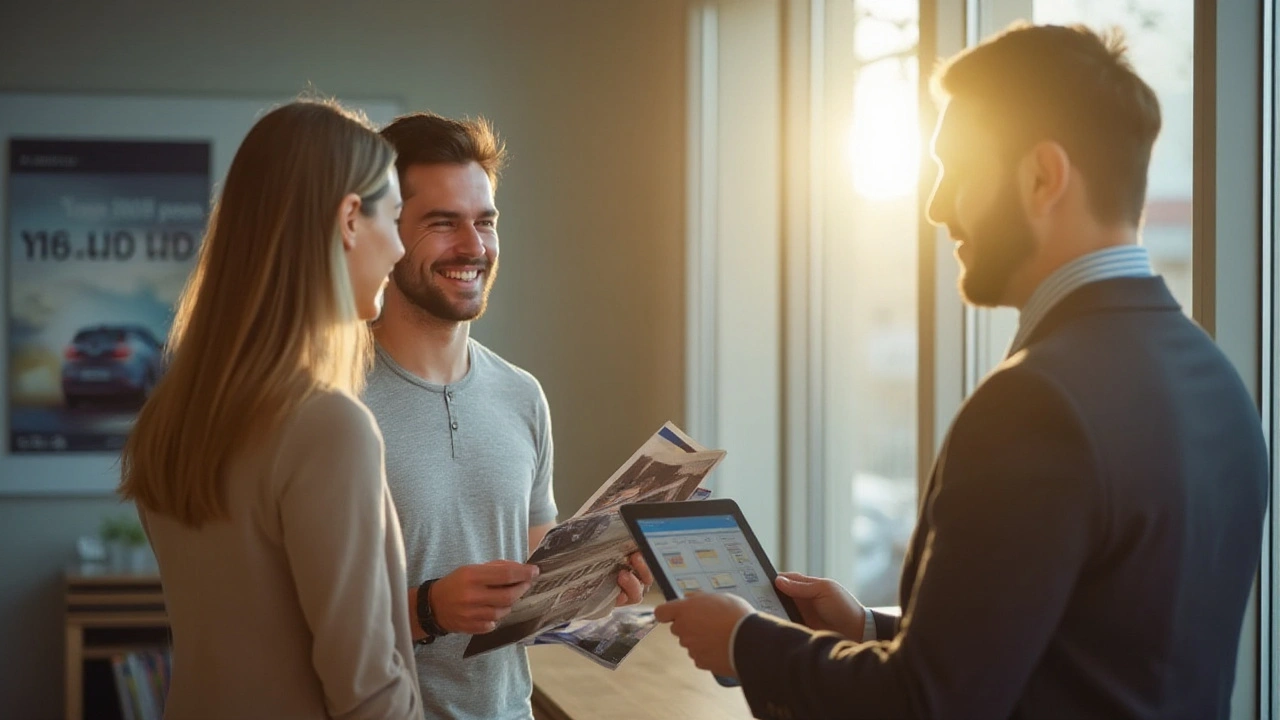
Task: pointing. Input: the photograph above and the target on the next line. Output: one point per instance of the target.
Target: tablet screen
(709, 553)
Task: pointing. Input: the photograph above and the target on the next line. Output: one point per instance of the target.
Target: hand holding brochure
(579, 559)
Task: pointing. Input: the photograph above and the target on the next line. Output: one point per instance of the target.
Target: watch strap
(426, 616)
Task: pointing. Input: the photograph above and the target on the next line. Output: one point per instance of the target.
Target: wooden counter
(657, 680)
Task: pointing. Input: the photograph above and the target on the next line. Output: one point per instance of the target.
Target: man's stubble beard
(426, 295)
(1000, 244)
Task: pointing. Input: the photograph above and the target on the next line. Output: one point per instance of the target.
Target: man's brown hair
(1069, 85)
(426, 138)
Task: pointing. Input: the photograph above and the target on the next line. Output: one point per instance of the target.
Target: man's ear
(1043, 176)
(348, 211)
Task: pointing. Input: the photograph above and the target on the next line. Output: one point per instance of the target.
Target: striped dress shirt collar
(1125, 261)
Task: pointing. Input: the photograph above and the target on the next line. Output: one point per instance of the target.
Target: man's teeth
(466, 275)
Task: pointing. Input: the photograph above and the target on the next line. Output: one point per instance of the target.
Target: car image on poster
(102, 235)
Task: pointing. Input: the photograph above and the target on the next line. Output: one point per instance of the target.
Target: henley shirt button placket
(448, 403)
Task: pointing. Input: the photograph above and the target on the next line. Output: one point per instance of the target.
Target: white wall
(590, 96)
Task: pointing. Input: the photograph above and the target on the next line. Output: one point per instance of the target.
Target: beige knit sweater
(297, 607)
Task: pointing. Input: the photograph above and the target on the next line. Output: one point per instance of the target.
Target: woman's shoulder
(332, 419)
(329, 405)
(328, 439)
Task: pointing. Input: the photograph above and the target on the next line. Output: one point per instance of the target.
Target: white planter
(117, 556)
(140, 559)
(134, 559)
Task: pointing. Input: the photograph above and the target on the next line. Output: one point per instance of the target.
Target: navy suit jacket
(1086, 543)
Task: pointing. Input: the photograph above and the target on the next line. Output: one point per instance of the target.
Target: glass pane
(869, 292)
(1160, 40)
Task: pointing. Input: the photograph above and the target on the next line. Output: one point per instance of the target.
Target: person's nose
(469, 242)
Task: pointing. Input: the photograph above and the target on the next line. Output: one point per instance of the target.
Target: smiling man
(468, 435)
(1092, 525)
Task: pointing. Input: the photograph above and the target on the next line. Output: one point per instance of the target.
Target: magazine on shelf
(142, 682)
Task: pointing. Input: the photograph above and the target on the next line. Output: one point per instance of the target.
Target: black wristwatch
(426, 617)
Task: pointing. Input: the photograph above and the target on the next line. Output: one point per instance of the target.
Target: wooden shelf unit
(108, 612)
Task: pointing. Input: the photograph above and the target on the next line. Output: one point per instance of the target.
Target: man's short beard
(425, 294)
(999, 244)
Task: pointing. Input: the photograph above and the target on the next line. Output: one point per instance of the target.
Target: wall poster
(102, 235)
(103, 204)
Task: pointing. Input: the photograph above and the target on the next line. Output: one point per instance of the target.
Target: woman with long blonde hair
(256, 471)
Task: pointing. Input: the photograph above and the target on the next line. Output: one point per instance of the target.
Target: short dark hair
(425, 138)
(1070, 85)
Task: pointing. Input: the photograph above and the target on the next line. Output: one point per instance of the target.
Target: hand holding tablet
(707, 547)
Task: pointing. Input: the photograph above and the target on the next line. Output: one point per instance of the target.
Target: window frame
(1269, 600)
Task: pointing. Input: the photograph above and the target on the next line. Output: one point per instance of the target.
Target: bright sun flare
(883, 148)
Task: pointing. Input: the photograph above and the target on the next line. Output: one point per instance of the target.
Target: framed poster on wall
(103, 203)
(102, 236)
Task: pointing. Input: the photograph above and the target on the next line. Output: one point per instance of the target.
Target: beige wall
(590, 95)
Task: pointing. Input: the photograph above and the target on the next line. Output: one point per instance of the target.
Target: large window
(869, 299)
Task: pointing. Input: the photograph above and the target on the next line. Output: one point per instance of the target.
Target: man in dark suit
(1092, 526)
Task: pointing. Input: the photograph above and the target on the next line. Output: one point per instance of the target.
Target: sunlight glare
(883, 148)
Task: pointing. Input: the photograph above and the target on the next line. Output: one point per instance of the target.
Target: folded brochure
(580, 558)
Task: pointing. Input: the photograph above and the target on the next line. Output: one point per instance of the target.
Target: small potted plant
(127, 549)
